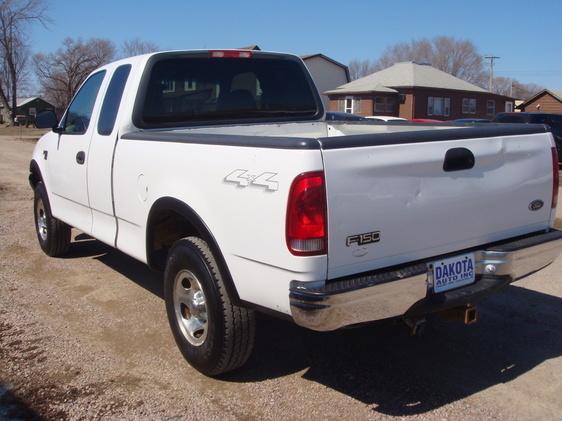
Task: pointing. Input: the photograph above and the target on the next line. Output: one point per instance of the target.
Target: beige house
(327, 74)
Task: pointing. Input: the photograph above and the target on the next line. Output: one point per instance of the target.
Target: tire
(53, 235)
(214, 335)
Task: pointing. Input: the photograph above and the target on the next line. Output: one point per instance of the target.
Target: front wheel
(53, 234)
(214, 335)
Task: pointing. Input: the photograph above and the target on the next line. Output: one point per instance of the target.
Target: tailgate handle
(458, 159)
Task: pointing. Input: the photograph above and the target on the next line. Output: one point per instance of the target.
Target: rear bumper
(408, 290)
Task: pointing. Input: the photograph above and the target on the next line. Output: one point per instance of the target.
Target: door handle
(457, 159)
(81, 157)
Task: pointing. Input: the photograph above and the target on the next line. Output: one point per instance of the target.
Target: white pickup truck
(219, 169)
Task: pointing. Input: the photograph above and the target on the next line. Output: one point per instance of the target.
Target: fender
(181, 208)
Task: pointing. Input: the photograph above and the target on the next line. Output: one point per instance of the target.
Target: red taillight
(230, 53)
(306, 228)
(555, 177)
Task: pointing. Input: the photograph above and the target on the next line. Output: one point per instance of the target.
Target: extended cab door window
(79, 113)
(112, 99)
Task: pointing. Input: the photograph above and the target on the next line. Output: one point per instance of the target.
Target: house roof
(360, 90)
(410, 74)
(254, 47)
(20, 102)
(555, 94)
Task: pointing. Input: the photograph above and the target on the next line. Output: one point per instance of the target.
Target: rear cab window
(197, 89)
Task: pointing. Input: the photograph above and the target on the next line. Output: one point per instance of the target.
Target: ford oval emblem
(535, 205)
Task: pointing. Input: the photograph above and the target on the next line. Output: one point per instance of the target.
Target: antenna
(491, 82)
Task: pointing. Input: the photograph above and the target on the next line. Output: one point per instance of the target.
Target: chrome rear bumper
(409, 290)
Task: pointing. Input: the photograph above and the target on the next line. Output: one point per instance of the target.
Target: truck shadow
(381, 364)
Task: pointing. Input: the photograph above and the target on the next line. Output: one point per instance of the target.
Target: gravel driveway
(87, 336)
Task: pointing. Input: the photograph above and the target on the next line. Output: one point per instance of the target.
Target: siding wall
(326, 76)
(548, 104)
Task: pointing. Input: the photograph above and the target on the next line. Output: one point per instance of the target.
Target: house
(546, 101)
(327, 73)
(29, 107)
(416, 90)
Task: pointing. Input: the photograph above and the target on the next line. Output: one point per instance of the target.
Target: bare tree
(360, 68)
(15, 17)
(61, 73)
(136, 46)
(513, 88)
(459, 57)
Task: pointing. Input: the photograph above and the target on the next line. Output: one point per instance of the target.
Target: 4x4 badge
(243, 179)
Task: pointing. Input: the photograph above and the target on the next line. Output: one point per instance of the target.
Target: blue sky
(525, 34)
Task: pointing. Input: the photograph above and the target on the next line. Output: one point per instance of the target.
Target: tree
(136, 46)
(513, 88)
(61, 73)
(459, 57)
(360, 68)
(15, 17)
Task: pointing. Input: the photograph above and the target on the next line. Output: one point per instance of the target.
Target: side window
(112, 99)
(80, 111)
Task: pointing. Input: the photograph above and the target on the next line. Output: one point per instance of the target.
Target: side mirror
(47, 120)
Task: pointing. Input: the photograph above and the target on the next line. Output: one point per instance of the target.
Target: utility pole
(491, 82)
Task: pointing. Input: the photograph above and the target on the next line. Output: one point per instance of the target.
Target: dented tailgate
(394, 203)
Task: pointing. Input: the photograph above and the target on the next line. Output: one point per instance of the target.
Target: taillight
(555, 177)
(230, 53)
(306, 228)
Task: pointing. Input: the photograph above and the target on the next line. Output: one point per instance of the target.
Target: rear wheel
(214, 335)
(53, 234)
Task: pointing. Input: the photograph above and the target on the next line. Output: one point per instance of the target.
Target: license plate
(453, 272)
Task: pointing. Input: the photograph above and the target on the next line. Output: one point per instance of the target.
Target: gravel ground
(86, 337)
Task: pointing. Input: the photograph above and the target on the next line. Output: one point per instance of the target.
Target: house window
(32, 111)
(352, 105)
(439, 106)
(384, 104)
(509, 107)
(469, 105)
(168, 86)
(491, 107)
(189, 85)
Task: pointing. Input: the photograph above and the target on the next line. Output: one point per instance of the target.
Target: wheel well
(170, 220)
(166, 227)
(34, 174)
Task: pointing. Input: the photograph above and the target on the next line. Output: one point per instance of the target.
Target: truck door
(68, 163)
(100, 161)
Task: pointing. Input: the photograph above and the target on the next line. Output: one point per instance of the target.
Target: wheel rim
(41, 219)
(190, 307)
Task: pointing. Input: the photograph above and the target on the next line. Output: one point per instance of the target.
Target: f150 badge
(244, 179)
(362, 239)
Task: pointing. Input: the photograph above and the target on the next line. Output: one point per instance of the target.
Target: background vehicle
(425, 120)
(219, 169)
(341, 116)
(553, 121)
(385, 118)
(471, 120)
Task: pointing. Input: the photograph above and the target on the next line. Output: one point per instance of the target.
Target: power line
(491, 82)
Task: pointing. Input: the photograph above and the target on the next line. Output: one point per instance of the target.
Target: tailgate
(393, 203)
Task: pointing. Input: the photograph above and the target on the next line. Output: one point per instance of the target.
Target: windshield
(201, 89)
